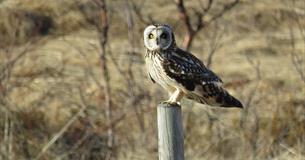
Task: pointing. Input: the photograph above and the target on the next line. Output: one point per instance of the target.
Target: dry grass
(50, 97)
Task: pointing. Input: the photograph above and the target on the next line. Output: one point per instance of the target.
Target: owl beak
(157, 41)
(158, 38)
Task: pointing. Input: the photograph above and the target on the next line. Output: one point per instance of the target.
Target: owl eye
(163, 35)
(150, 36)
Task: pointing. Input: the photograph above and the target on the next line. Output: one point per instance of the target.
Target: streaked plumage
(181, 73)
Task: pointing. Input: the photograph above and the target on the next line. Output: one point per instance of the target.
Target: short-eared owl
(181, 73)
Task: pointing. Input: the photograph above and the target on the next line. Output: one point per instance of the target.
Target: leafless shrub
(27, 24)
(54, 108)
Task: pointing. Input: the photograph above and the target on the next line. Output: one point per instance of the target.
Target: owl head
(158, 37)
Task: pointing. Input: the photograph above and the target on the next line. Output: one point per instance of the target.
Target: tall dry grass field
(52, 93)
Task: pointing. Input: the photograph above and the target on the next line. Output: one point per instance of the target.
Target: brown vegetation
(73, 83)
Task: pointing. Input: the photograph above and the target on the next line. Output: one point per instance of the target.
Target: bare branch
(256, 67)
(207, 8)
(88, 68)
(214, 45)
(225, 9)
(296, 60)
(188, 38)
(12, 61)
(103, 39)
(191, 31)
(61, 132)
(138, 11)
(130, 76)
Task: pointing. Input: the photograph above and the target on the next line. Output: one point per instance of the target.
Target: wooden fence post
(170, 132)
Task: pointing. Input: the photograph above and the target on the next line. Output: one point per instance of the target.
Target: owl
(181, 73)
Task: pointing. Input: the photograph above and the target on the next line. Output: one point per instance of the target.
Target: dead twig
(103, 39)
(137, 9)
(192, 30)
(102, 27)
(214, 44)
(60, 132)
(256, 67)
(296, 60)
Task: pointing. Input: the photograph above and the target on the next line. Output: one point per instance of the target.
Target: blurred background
(73, 83)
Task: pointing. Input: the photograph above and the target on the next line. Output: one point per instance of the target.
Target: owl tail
(227, 100)
(215, 95)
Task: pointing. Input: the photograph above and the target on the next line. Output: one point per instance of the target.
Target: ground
(50, 81)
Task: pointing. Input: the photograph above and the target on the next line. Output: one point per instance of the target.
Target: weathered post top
(170, 132)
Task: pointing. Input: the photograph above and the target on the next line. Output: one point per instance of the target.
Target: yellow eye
(150, 36)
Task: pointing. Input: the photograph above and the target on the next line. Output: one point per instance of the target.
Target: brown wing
(203, 84)
(215, 95)
(188, 70)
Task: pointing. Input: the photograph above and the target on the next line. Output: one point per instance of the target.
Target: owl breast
(157, 73)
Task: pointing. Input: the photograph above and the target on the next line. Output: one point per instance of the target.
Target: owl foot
(175, 97)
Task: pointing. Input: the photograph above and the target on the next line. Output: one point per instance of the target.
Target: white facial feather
(153, 39)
